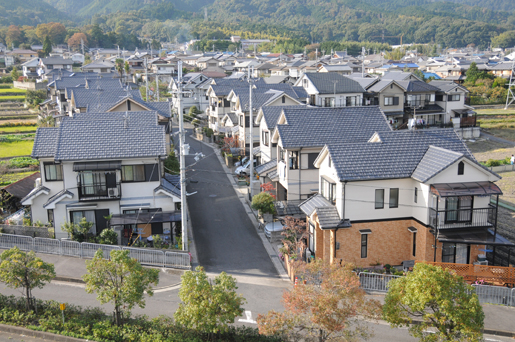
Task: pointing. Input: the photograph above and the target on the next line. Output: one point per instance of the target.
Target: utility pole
(251, 124)
(157, 86)
(363, 63)
(184, 215)
(146, 80)
(82, 45)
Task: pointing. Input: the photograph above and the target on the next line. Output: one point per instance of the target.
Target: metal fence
(487, 294)
(87, 250)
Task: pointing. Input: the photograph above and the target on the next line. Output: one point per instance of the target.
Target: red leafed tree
(75, 40)
(268, 187)
(326, 308)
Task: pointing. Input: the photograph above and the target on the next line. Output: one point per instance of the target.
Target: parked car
(273, 230)
(241, 162)
(245, 169)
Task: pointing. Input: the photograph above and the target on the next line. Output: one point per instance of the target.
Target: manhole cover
(212, 195)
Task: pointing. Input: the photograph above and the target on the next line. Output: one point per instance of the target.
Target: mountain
(68, 6)
(96, 7)
(29, 12)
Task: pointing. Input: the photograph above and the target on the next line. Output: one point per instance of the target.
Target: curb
(243, 199)
(69, 279)
(39, 334)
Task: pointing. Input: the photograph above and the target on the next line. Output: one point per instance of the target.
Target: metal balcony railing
(462, 218)
(99, 192)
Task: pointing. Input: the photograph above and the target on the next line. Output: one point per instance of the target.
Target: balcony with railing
(97, 192)
(462, 218)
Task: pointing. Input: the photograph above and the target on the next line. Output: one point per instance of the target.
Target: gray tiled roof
(317, 127)
(69, 82)
(93, 136)
(323, 81)
(233, 117)
(397, 155)
(316, 201)
(224, 90)
(273, 175)
(444, 85)
(171, 184)
(35, 192)
(271, 114)
(417, 86)
(379, 86)
(263, 168)
(45, 142)
(365, 82)
(434, 161)
(56, 60)
(328, 217)
(396, 75)
(90, 98)
(57, 196)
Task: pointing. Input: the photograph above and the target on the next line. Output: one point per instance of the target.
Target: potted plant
(264, 204)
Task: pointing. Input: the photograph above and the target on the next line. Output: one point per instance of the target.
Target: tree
(15, 74)
(119, 65)
(325, 308)
(78, 232)
(155, 44)
(264, 203)
(75, 41)
(35, 97)
(14, 36)
(419, 74)
(205, 306)
(441, 299)
(47, 46)
(108, 237)
(121, 280)
(127, 68)
(25, 270)
(294, 237)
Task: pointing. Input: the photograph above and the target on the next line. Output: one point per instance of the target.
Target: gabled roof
(446, 86)
(271, 114)
(382, 84)
(264, 168)
(57, 197)
(96, 136)
(417, 86)
(23, 187)
(324, 82)
(328, 216)
(35, 193)
(434, 161)
(396, 154)
(170, 184)
(397, 76)
(91, 98)
(56, 60)
(317, 126)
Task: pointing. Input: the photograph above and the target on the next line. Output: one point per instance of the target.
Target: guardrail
(87, 250)
(487, 294)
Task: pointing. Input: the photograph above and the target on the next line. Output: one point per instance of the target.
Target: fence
(88, 250)
(487, 294)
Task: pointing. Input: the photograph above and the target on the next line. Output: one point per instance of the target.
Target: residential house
(51, 63)
(451, 97)
(195, 86)
(330, 89)
(301, 133)
(21, 55)
(95, 165)
(30, 68)
(402, 196)
(99, 66)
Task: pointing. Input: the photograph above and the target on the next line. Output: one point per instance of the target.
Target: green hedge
(95, 324)
(20, 162)
(493, 162)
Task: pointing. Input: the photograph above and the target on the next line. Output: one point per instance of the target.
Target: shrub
(108, 237)
(264, 203)
(492, 162)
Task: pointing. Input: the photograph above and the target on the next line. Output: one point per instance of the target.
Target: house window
(458, 209)
(305, 83)
(140, 173)
(282, 153)
(312, 100)
(328, 190)
(311, 160)
(97, 217)
(414, 243)
(351, 101)
(157, 228)
(293, 160)
(311, 245)
(455, 97)
(439, 98)
(394, 198)
(329, 161)
(364, 245)
(129, 105)
(379, 204)
(461, 168)
(283, 99)
(266, 138)
(416, 195)
(133, 173)
(247, 121)
(391, 101)
(53, 172)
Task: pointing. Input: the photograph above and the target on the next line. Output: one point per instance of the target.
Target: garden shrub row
(16, 137)
(493, 162)
(14, 98)
(20, 162)
(95, 324)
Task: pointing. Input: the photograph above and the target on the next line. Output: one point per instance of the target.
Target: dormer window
(461, 168)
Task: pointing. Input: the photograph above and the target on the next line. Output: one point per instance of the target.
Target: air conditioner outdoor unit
(484, 262)
(112, 192)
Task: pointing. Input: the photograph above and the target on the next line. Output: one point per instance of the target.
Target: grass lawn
(15, 149)
(495, 111)
(18, 129)
(9, 178)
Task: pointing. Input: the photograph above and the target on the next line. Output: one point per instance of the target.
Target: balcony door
(458, 209)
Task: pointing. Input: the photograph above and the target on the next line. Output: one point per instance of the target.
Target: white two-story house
(402, 196)
(106, 167)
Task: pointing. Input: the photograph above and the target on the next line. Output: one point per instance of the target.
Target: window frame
(394, 195)
(312, 157)
(416, 195)
(123, 173)
(328, 190)
(58, 169)
(379, 205)
(265, 137)
(364, 246)
(461, 168)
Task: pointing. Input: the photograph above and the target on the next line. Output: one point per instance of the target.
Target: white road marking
(249, 319)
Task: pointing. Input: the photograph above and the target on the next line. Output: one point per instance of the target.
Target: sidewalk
(70, 269)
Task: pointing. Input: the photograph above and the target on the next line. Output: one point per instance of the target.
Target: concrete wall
(468, 132)
(29, 85)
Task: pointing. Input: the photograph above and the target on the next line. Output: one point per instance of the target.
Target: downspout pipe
(343, 217)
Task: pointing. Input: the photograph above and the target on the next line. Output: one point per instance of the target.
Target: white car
(242, 162)
(273, 229)
(245, 169)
